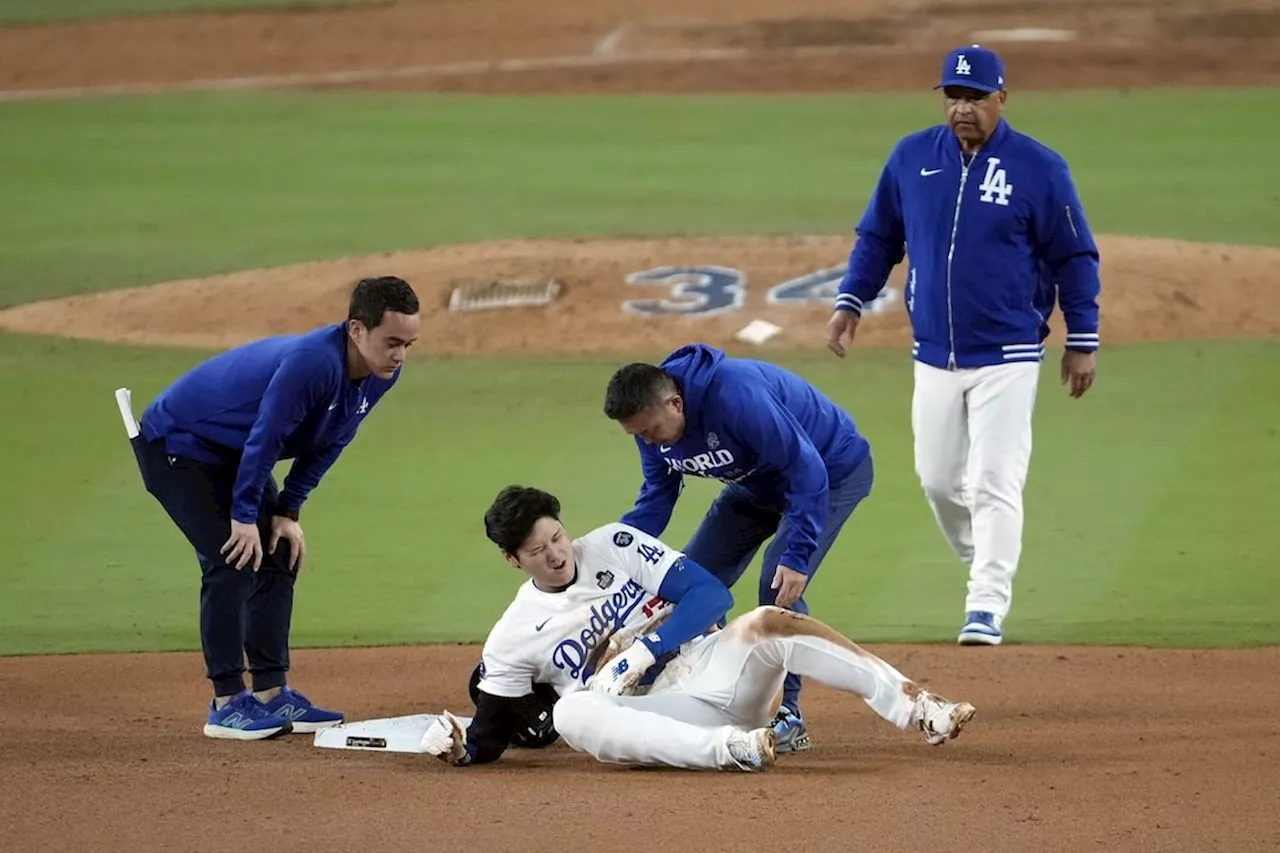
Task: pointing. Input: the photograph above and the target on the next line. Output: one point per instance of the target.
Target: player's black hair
(373, 297)
(636, 388)
(513, 513)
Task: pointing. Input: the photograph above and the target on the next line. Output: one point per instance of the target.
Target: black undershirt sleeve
(492, 726)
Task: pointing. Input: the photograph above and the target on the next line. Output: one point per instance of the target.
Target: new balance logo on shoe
(236, 720)
(290, 712)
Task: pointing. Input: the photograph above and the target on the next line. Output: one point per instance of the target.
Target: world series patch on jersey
(552, 637)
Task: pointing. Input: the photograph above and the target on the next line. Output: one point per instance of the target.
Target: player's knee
(768, 620)
(572, 713)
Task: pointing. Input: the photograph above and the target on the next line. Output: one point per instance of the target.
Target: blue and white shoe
(980, 629)
(791, 731)
(297, 709)
(244, 718)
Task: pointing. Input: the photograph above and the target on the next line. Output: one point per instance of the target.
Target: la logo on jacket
(995, 186)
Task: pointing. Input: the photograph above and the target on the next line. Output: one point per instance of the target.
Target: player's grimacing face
(546, 555)
(660, 424)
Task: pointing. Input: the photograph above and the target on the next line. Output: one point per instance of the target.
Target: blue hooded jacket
(284, 397)
(760, 426)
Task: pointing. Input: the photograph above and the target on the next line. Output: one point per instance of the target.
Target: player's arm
(500, 698)
(700, 600)
(767, 427)
(658, 494)
(881, 243)
(302, 382)
(1065, 242)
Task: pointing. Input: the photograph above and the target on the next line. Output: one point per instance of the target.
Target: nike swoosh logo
(543, 625)
(662, 448)
(924, 173)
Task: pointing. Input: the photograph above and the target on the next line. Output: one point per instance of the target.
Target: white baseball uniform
(716, 683)
(972, 432)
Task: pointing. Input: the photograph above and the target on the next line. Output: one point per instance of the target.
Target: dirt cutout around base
(1072, 749)
(1153, 290)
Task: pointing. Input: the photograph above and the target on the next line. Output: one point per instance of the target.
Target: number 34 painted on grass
(705, 291)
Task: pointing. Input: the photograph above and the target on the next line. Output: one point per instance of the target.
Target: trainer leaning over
(996, 234)
(206, 450)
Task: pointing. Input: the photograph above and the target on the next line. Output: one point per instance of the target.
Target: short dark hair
(513, 513)
(374, 297)
(636, 388)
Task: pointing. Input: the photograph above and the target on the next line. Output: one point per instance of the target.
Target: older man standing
(996, 234)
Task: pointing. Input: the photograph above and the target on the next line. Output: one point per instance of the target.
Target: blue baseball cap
(975, 67)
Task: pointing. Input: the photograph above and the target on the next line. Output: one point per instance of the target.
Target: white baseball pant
(972, 432)
(728, 680)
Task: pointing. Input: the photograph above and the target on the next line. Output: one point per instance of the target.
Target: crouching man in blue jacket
(996, 234)
(793, 463)
(206, 450)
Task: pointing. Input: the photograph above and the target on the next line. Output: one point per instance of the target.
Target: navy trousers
(242, 613)
(738, 523)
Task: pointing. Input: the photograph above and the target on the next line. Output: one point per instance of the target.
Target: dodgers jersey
(993, 239)
(548, 637)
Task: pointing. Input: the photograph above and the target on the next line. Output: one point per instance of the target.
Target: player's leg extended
(747, 664)
(1000, 412)
(734, 528)
(940, 426)
(667, 728)
(842, 500)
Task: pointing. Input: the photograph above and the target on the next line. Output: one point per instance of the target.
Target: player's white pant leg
(749, 659)
(1001, 402)
(940, 425)
(667, 728)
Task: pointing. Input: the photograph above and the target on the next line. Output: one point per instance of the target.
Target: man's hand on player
(1079, 368)
(446, 739)
(619, 676)
(790, 585)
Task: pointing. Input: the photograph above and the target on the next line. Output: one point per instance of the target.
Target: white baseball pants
(728, 680)
(972, 432)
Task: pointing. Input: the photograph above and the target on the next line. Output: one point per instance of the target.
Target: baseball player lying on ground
(623, 628)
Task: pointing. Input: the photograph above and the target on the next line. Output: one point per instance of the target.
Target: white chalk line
(369, 75)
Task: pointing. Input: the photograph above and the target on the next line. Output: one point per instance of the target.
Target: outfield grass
(123, 191)
(53, 11)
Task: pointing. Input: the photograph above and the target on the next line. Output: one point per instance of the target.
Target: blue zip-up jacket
(990, 238)
(755, 424)
(285, 397)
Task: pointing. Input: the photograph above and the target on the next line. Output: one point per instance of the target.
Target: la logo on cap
(962, 65)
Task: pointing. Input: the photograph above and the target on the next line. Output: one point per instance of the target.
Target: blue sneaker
(980, 629)
(791, 731)
(244, 718)
(296, 708)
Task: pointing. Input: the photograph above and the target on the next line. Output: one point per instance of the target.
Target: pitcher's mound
(652, 295)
